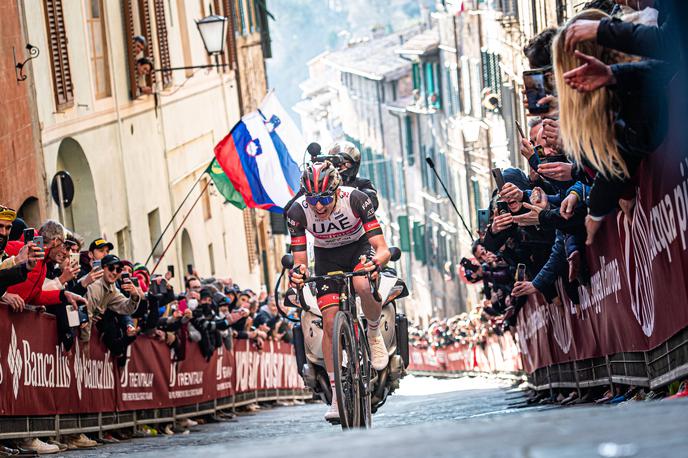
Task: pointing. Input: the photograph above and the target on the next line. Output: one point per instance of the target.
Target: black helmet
(349, 153)
(320, 178)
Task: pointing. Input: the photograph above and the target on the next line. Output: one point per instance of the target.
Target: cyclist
(347, 237)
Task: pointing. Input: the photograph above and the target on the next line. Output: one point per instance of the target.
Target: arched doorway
(30, 212)
(82, 215)
(187, 251)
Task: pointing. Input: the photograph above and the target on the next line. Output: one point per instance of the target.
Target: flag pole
(169, 223)
(162, 256)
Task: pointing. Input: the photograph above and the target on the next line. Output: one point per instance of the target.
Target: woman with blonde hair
(608, 124)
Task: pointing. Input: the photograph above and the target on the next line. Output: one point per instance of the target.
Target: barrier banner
(143, 381)
(272, 369)
(499, 354)
(36, 378)
(638, 288)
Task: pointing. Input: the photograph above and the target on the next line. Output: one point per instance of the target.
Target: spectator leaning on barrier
(14, 269)
(31, 290)
(107, 307)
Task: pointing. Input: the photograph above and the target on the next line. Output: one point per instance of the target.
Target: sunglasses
(322, 198)
(117, 269)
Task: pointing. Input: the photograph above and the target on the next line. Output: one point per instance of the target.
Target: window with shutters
(492, 74)
(410, 156)
(137, 21)
(163, 45)
(230, 47)
(59, 57)
(100, 68)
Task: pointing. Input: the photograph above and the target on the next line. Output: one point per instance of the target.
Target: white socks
(333, 386)
(374, 327)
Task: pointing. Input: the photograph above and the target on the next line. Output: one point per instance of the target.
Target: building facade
(22, 181)
(136, 143)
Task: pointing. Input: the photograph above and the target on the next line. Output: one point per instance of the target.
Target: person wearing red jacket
(31, 290)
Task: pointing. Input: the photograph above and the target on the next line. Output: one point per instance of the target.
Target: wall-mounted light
(213, 33)
(19, 66)
(212, 30)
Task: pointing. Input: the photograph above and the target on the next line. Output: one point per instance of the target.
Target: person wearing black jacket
(348, 161)
(655, 42)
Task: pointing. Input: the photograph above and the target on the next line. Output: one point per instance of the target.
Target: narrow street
(432, 417)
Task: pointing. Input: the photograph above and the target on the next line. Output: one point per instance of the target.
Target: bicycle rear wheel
(346, 372)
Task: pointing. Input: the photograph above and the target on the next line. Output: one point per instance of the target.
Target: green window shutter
(404, 235)
(415, 71)
(409, 140)
(438, 83)
(429, 80)
(419, 241)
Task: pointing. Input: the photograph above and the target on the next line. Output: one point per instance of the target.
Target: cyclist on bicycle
(347, 238)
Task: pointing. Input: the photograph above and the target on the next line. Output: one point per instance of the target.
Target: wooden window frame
(93, 57)
(129, 32)
(59, 54)
(163, 44)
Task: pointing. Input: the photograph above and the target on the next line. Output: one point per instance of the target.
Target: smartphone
(38, 240)
(535, 83)
(125, 277)
(483, 219)
(540, 151)
(29, 232)
(72, 316)
(74, 259)
(499, 179)
(520, 130)
(97, 264)
(520, 272)
(189, 269)
(170, 269)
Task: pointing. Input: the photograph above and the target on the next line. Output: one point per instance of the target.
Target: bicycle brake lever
(373, 287)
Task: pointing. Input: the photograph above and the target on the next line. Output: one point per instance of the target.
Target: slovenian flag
(260, 156)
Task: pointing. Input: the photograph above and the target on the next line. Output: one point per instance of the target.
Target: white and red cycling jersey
(352, 218)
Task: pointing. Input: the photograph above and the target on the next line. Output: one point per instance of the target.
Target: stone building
(134, 142)
(22, 176)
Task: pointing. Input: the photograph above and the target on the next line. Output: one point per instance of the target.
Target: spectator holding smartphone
(52, 234)
(14, 269)
(107, 306)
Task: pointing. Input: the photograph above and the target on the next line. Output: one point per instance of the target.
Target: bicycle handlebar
(339, 276)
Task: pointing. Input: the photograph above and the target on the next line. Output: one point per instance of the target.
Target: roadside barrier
(497, 354)
(43, 392)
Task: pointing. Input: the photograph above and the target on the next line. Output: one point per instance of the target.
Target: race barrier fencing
(498, 354)
(38, 380)
(630, 323)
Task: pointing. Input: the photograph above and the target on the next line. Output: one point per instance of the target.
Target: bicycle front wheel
(346, 372)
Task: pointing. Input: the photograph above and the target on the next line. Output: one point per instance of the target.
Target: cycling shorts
(344, 258)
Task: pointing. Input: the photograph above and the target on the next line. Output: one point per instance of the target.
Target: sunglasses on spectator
(324, 199)
(117, 269)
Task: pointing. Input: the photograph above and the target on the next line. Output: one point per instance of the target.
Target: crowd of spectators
(51, 270)
(603, 109)
(472, 329)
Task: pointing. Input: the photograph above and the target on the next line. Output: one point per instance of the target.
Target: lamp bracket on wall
(19, 66)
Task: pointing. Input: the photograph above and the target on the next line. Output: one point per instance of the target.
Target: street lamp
(213, 32)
